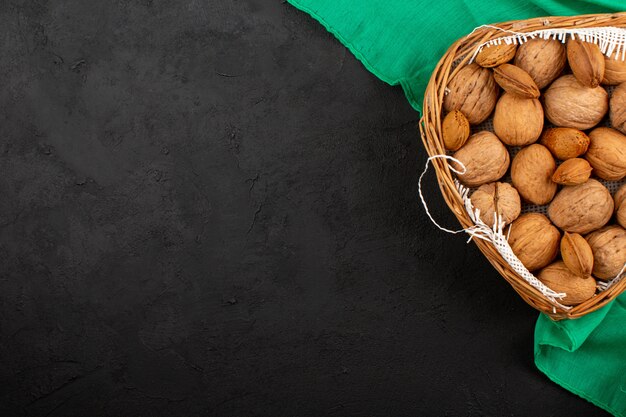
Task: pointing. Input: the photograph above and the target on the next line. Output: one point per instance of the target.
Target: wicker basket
(459, 54)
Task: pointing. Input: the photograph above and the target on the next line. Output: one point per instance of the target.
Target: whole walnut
(568, 103)
(614, 69)
(473, 91)
(581, 208)
(620, 205)
(565, 142)
(485, 159)
(497, 198)
(559, 278)
(609, 251)
(518, 121)
(607, 153)
(531, 174)
(617, 105)
(543, 59)
(534, 240)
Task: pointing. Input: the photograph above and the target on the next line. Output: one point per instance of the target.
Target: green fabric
(587, 356)
(400, 41)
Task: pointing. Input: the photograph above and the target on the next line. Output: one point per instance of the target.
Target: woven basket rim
(430, 129)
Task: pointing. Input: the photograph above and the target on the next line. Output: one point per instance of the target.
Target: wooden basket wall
(430, 127)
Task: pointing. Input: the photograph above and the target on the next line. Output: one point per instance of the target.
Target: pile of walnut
(593, 244)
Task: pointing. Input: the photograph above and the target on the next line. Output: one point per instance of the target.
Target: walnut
(497, 198)
(531, 174)
(543, 59)
(607, 153)
(609, 251)
(485, 159)
(534, 240)
(617, 105)
(473, 91)
(581, 208)
(568, 103)
(518, 121)
(620, 205)
(559, 278)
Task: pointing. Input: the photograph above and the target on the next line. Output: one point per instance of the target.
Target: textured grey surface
(209, 209)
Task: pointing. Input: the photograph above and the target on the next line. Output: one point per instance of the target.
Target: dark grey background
(209, 209)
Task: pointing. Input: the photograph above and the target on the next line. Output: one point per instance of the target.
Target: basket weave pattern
(458, 55)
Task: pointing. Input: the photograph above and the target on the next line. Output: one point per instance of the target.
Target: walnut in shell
(586, 61)
(473, 91)
(565, 142)
(620, 205)
(577, 254)
(617, 105)
(534, 240)
(607, 153)
(531, 174)
(581, 208)
(518, 121)
(614, 69)
(455, 130)
(493, 55)
(572, 172)
(485, 159)
(542, 59)
(568, 103)
(609, 251)
(516, 81)
(497, 198)
(559, 278)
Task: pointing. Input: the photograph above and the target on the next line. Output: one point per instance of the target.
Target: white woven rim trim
(611, 40)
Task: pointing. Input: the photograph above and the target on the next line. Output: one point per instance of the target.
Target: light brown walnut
(581, 208)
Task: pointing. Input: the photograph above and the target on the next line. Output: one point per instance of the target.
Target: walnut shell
(614, 69)
(607, 153)
(581, 208)
(609, 251)
(497, 197)
(620, 205)
(577, 254)
(493, 55)
(572, 172)
(586, 61)
(565, 142)
(617, 106)
(534, 240)
(542, 59)
(518, 121)
(568, 103)
(485, 159)
(516, 81)
(531, 174)
(473, 91)
(559, 278)
(455, 130)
